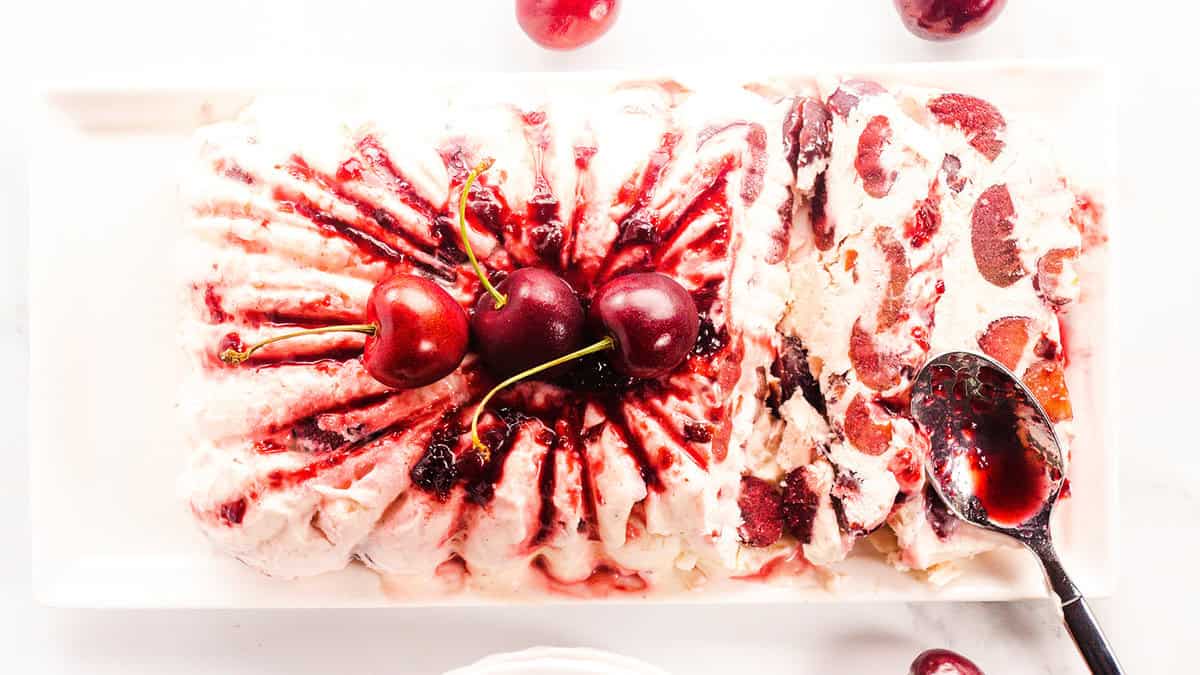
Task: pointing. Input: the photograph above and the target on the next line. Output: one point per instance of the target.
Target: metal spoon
(995, 460)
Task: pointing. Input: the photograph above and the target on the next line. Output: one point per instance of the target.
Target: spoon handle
(1082, 624)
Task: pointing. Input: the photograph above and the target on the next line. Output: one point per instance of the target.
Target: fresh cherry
(566, 24)
(422, 332)
(942, 662)
(541, 319)
(651, 319)
(648, 321)
(532, 316)
(416, 333)
(947, 19)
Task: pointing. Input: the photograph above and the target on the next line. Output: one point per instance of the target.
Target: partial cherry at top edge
(940, 20)
(566, 24)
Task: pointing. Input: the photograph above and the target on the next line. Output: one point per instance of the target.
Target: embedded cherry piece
(566, 24)
(942, 662)
(416, 333)
(651, 319)
(540, 320)
(800, 503)
(762, 515)
(947, 19)
(422, 332)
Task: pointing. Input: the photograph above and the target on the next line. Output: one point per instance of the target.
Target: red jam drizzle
(1011, 485)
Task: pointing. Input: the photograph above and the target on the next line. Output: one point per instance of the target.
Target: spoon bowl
(996, 461)
(994, 456)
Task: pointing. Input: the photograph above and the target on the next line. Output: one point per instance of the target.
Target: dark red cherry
(541, 320)
(947, 19)
(421, 332)
(651, 319)
(648, 324)
(942, 662)
(416, 333)
(566, 24)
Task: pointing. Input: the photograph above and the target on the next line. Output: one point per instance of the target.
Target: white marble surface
(1151, 44)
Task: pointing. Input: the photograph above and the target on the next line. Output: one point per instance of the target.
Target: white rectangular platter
(109, 530)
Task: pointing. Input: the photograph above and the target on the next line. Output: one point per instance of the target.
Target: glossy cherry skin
(421, 332)
(652, 320)
(942, 662)
(566, 24)
(948, 19)
(541, 320)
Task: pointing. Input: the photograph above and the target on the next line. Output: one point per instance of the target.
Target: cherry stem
(233, 357)
(486, 164)
(484, 450)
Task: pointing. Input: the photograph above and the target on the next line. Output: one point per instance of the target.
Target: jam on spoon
(995, 460)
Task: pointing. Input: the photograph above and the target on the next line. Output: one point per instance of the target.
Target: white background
(1152, 45)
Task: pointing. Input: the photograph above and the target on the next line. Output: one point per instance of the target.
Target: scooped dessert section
(637, 340)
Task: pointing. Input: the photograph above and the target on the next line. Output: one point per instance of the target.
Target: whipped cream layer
(303, 463)
(832, 239)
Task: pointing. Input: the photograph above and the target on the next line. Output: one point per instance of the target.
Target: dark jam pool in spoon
(989, 453)
(1010, 485)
